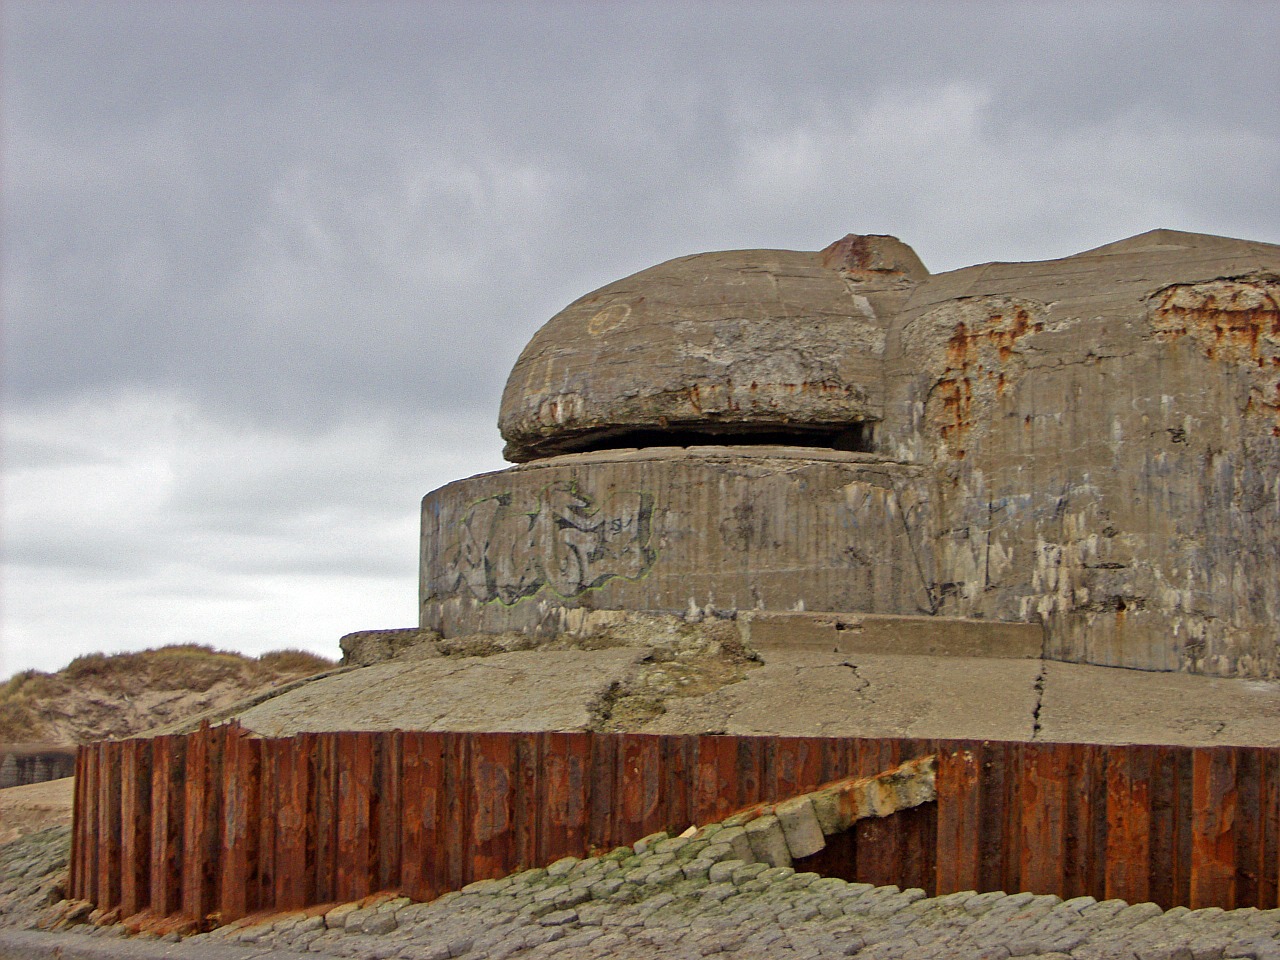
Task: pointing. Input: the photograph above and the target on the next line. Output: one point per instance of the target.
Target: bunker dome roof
(732, 344)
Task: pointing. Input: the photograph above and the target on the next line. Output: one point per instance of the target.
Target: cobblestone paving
(682, 898)
(692, 898)
(33, 873)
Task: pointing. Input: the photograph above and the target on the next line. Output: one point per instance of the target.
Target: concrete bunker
(1087, 445)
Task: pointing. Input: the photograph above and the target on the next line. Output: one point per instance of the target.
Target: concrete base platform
(669, 688)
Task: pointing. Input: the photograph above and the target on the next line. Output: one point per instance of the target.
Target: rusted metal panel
(1129, 824)
(72, 867)
(526, 818)
(1269, 844)
(1165, 868)
(202, 834)
(135, 822)
(355, 774)
(835, 758)
(389, 779)
(902, 848)
(566, 766)
(1045, 771)
(168, 817)
(76, 870)
(1248, 825)
(604, 763)
(109, 865)
(639, 813)
(238, 882)
(898, 849)
(294, 824)
(999, 840)
(1213, 827)
(492, 801)
(219, 822)
(679, 758)
(798, 768)
(452, 855)
(435, 811)
(89, 827)
(195, 902)
(266, 812)
(1085, 851)
(959, 816)
(324, 784)
(714, 791)
(874, 755)
(419, 764)
(749, 772)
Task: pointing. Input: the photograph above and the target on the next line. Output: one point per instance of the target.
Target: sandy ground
(34, 807)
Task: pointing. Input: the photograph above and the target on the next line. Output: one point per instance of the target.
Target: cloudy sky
(266, 265)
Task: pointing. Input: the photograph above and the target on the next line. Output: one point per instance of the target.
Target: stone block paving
(699, 897)
(690, 898)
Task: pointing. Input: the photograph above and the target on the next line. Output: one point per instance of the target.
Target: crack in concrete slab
(1041, 677)
(863, 683)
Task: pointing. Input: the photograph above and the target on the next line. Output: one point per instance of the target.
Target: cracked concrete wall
(1091, 443)
(707, 530)
(1104, 435)
(718, 340)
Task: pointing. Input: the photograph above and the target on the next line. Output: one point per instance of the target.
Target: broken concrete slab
(800, 826)
(768, 842)
(868, 695)
(1100, 705)
(538, 690)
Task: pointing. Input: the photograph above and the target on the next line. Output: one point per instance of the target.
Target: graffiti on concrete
(567, 542)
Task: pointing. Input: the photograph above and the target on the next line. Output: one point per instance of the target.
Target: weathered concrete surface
(552, 690)
(670, 530)
(1091, 443)
(692, 684)
(867, 695)
(1088, 705)
(1103, 436)
(718, 342)
(768, 630)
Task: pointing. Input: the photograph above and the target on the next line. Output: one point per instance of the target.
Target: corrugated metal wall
(222, 822)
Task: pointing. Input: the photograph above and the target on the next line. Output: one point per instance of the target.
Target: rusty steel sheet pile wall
(219, 824)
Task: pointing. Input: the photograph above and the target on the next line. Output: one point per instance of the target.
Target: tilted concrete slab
(1084, 704)
(533, 690)
(867, 695)
(793, 693)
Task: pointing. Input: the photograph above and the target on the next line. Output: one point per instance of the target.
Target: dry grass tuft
(102, 694)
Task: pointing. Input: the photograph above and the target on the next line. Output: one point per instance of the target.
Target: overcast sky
(266, 265)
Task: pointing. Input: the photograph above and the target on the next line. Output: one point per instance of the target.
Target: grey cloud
(292, 210)
(318, 234)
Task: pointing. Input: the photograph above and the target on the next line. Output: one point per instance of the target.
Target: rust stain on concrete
(978, 354)
(1233, 321)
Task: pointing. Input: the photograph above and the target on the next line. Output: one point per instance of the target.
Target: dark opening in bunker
(849, 437)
